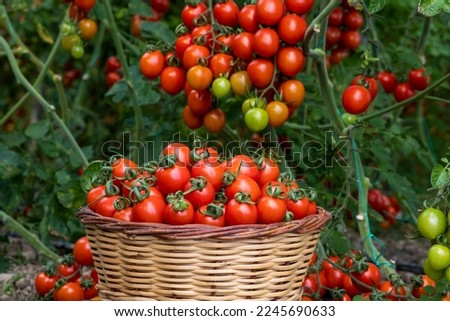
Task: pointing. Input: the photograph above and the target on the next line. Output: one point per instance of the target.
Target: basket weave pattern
(146, 261)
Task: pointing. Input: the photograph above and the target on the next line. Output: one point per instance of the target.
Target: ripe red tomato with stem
(107, 205)
(247, 18)
(212, 214)
(271, 210)
(423, 285)
(336, 17)
(150, 209)
(190, 13)
(71, 291)
(152, 64)
(123, 168)
(268, 171)
(82, 253)
(243, 165)
(261, 72)
(240, 210)
(44, 282)
(220, 64)
(278, 113)
(269, 12)
(242, 46)
(392, 292)
(292, 92)
(172, 178)
(199, 192)
(172, 80)
(179, 211)
(332, 36)
(351, 39)
(181, 151)
(182, 43)
(388, 80)
(85, 5)
(349, 287)
(88, 285)
(192, 121)
(214, 120)
(403, 91)
(124, 215)
(266, 42)
(418, 79)
(226, 13)
(369, 278)
(297, 203)
(290, 61)
(193, 54)
(199, 77)
(353, 19)
(367, 82)
(356, 99)
(111, 78)
(211, 169)
(335, 278)
(299, 7)
(200, 101)
(161, 6)
(203, 36)
(95, 195)
(112, 64)
(339, 54)
(245, 184)
(292, 28)
(88, 28)
(68, 268)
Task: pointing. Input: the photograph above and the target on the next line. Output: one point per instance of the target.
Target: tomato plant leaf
(11, 164)
(430, 8)
(157, 30)
(439, 176)
(377, 5)
(89, 174)
(71, 195)
(38, 130)
(338, 242)
(140, 7)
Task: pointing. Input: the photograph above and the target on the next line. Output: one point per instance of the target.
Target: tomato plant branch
(57, 80)
(126, 72)
(420, 50)
(439, 99)
(44, 66)
(423, 133)
(31, 238)
(362, 219)
(315, 24)
(420, 95)
(50, 108)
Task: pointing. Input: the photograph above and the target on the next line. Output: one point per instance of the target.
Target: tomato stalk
(45, 67)
(126, 72)
(420, 50)
(214, 210)
(30, 237)
(50, 108)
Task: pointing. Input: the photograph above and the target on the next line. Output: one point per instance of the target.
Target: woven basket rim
(200, 231)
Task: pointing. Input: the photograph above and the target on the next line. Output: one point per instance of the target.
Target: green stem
(45, 67)
(98, 46)
(420, 95)
(315, 24)
(362, 219)
(439, 99)
(50, 108)
(31, 238)
(424, 134)
(126, 72)
(326, 90)
(284, 166)
(57, 80)
(420, 50)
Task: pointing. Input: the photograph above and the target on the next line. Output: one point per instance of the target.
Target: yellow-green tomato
(439, 257)
(252, 103)
(433, 274)
(431, 223)
(240, 83)
(220, 87)
(256, 119)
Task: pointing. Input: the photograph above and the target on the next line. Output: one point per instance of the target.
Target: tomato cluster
(113, 71)
(72, 279)
(70, 74)
(418, 79)
(197, 187)
(79, 28)
(159, 9)
(250, 52)
(433, 224)
(387, 206)
(349, 276)
(342, 35)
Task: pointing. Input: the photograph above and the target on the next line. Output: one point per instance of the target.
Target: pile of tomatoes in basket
(198, 187)
(224, 50)
(74, 278)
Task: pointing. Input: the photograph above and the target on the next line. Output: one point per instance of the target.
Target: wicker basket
(146, 261)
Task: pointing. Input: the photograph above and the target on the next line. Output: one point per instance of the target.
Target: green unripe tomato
(256, 119)
(68, 42)
(439, 257)
(431, 223)
(447, 274)
(220, 87)
(431, 273)
(349, 118)
(67, 29)
(77, 51)
(252, 103)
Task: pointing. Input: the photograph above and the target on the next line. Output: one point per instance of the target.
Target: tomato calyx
(338, 294)
(121, 203)
(177, 201)
(214, 210)
(68, 260)
(197, 184)
(230, 177)
(139, 192)
(220, 197)
(86, 282)
(275, 191)
(359, 266)
(50, 270)
(242, 197)
(168, 161)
